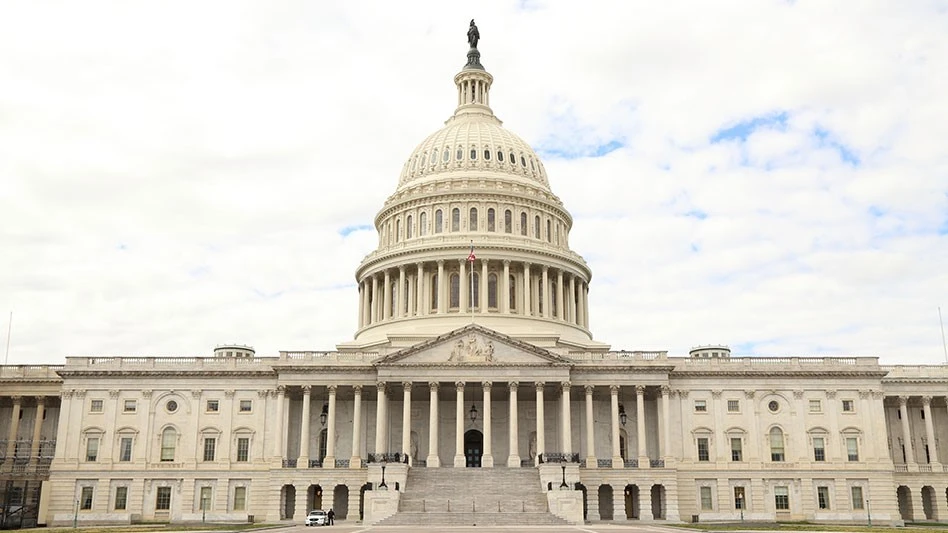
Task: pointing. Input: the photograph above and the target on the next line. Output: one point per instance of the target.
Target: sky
(770, 175)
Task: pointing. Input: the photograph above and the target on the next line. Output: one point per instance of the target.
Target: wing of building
(472, 385)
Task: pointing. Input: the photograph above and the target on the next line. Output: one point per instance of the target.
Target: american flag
(471, 256)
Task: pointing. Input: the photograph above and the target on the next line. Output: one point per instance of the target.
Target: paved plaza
(596, 528)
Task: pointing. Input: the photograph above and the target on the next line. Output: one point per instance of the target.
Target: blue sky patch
(347, 230)
(696, 213)
(828, 140)
(742, 130)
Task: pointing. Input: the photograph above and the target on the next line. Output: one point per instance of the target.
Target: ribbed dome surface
(473, 142)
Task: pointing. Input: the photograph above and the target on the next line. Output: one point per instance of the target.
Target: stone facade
(473, 349)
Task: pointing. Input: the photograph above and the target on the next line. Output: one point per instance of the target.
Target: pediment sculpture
(474, 350)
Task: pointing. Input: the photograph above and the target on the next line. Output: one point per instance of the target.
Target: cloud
(768, 175)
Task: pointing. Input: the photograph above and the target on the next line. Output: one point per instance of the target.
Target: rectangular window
(130, 406)
(92, 449)
(205, 498)
(240, 498)
(928, 457)
(95, 406)
(121, 498)
(736, 450)
(125, 449)
(852, 448)
(85, 500)
(816, 406)
(848, 406)
(706, 503)
(246, 406)
(163, 499)
(739, 500)
(823, 497)
(734, 406)
(210, 448)
(701, 406)
(858, 501)
(213, 406)
(781, 498)
(703, 451)
(243, 449)
(819, 449)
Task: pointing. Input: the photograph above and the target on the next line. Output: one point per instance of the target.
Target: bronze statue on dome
(473, 35)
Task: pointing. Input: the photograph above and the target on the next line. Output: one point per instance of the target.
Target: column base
(618, 462)
(487, 461)
(513, 461)
(592, 462)
(355, 462)
(644, 462)
(302, 462)
(460, 461)
(433, 461)
(329, 461)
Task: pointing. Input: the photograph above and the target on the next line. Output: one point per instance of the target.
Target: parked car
(316, 518)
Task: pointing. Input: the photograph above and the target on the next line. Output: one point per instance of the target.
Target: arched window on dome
(490, 220)
(523, 161)
(549, 231)
(472, 223)
(513, 159)
(460, 155)
(446, 156)
(486, 154)
(408, 228)
(439, 221)
(455, 219)
(512, 297)
(508, 221)
(531, 165)
(500, 156)
(523, 223)
(398, 230)
(434, 157)
(475, 290)
(536, 227)
(423, 224)
(473, 153)
(455, 299)
(434, 291)
(414, 163)
(492, 291)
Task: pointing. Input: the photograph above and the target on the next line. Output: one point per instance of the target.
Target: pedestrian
(330, 515)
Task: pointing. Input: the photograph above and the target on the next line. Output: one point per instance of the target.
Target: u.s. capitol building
(472, 385)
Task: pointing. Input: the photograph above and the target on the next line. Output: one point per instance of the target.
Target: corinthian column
(303, 461)
(387, 297)
(546, 292)
(906, 431)
(420, 303)
(356, 460)
(513, 460)
(560, 312)
(433, 461)
(487, 460)
(541, 427)
(527, 305)
(567, 438)
(504, 298)
(406, 419)
(459, 426)
(330, 460)
(591, 460)
(640, 428)
(380, 418)
(400, 298)
(616, 451)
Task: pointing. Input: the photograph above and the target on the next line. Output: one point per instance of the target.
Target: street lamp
(563, 485)
(740, 503)
(382, 485)
(473, 413)
(868, 512)
(622, 416)
(203, 509)
(324, 414)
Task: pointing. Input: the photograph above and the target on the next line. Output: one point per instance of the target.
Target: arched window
(323, 438)
(523, 223)
(408, 229)
(169, 438)
(475, 289)
(460, 154)
(446, 156)
(553, 308)
(434, 157)
(455, 219)
(486, 154)
(513, 292)
(455, 300)
(523, 161)
(536, 227)
(398, 229)
(539, 296)
(556, 234)
(439, 221)
(423, 224)
(472, 223)
(473, 154)
(490, 220)
(508, 221)
(513, 159)
(434, 291)
(414, 163)
(500, 156)
(776, 445)
(549, 231)
(492, 291)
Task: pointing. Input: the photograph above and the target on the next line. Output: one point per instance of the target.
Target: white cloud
(177, 175)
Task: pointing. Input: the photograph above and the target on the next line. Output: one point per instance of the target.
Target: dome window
(490, 220)
(408, 228)
(523, 223)
(508, 221)
(486, 155)
(549, 231)
(460, 154)
(531, 164)
(455, 219)
(500, 156)
(434, 157)
(473, 220)
(523, 162)
(513, 159)
(414, 163)
(536, 227)
(473, 154)
(446, 156)
(423, 224)
(439, 221)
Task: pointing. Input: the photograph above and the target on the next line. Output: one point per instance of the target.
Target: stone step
(479, 519)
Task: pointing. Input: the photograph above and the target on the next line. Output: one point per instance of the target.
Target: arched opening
(455, 219)
(508, 221)
(340, 502)
(408, 227)
(367, 486)
(658, 502)
(473, 448)
(314, 498)
(631, 502)
(928, 502)
(423, 224)
(777, 452)
(904, 495)
(287, 502)
(439, 221)
(582, 488)
(523, 224)
(605, 502)
(536, 227)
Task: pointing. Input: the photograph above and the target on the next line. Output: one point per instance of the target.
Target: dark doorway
(473, 448)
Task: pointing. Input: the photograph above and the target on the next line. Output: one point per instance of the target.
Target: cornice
(778, 373)
(183, 372)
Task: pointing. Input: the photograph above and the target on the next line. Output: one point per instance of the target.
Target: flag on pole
(471, 256)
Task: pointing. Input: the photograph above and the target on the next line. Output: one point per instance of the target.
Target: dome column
(580, 305)
(400, 299)
(375, 299)
(361, 304)
(585, 305)
(546, 292)
(527, 288)
(440, 288)
(463, 286)
(572, 299)
(484, 286)
(387, 297)
(505, 297)
(560, 312)
(420, 288)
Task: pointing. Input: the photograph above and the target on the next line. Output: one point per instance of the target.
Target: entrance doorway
(473, 448)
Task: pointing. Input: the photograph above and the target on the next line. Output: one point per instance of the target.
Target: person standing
(330, 515)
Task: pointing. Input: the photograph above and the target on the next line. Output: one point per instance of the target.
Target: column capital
(420, 264)
(506, 262)
(831, 394)
(462, 260)
(229, 393)
(196, 393)
(546, 268)
(332, 389)
(614, 390)
(878, 394)
(459, 385)
(716, 393)
(513, 386)
(639, 390)
(750, 394)
(903, 401)
(565, 385)
(684, 393)
(927, 401)
(539, 385)
(41, 400)
(865, 394)
(114, 393)
(527, 264)
(406, 386)
(433, 385)
(262, 393)
(440, 262)
(17, 400)
(666, 390)
(281, 390)
(380, 386)
(357, 389)
(401, 269)
(589, 389)
(307, 389)
(487, 385)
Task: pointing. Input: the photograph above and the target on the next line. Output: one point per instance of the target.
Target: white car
(317, 518)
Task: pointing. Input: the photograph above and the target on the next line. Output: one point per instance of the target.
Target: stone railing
(328, 357)
(630, 463)
(915, 371)
(559, 457)
(289, 463)
(656, 463)
(388, 457)
(184, 363)
(620, 356)
(809, 363)
(30, 371)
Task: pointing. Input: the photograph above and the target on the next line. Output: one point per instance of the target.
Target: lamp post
(563, 485)
(868, 512)
(203, 509)
(382, 485)
(622, 416)
(473, 413)
(75, 518)
(740, 503)
(324, 414)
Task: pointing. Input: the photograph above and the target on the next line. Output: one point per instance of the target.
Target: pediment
(473, 345)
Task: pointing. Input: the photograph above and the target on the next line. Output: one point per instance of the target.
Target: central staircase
(473, 496)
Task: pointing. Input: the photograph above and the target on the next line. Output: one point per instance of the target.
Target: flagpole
(6, 358)
(940, 322)
(472, 281)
